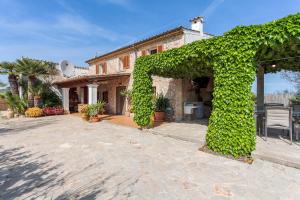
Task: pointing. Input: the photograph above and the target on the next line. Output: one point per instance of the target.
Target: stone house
(111, 73)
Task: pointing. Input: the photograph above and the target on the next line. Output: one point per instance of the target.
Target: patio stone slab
(63, 157)
(278, 150)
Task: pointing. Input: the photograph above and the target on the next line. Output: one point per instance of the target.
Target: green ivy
(232, 59)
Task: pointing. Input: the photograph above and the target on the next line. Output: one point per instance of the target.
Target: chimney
(197, 24)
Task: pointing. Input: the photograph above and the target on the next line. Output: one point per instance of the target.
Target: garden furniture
(278, 118)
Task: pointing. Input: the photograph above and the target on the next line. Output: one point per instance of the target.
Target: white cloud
(210, 9)
(61, 29)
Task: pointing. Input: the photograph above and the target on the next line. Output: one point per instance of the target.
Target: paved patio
(63, 157)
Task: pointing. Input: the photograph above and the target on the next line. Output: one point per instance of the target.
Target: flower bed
(53, 111)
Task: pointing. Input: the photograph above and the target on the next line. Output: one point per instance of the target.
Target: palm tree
(10, 68)
(34, 69)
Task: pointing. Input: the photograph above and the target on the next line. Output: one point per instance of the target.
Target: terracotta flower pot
(85, 117)
(94, 119)
(9, 114)
(159, 116)
(127, 114)
(36, 101)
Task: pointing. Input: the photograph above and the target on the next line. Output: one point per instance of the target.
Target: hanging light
(273, 65)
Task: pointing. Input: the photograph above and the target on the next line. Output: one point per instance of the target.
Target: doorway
(120, 100)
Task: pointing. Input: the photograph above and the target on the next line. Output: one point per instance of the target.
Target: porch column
(65, 99)
(260, 87)
(21, 88)
(179, 100)
(92, 93)
(260, 97)
(80, 95)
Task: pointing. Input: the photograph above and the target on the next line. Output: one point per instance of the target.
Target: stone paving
(63, 157)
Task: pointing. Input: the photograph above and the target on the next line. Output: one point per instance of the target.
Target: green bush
(160, 103)
(232, 59)
(15, 103)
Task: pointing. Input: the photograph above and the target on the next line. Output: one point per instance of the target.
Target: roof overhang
(136, 45)
(88, 79)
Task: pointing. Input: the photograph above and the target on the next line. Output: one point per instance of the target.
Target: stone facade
(110, 87)
(173, 89)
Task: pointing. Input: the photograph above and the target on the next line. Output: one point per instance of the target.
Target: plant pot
(10, 114)
(36, 101)
(94, 119)
(159, 116)
(127, 114)
(131, 115)
(85, 117)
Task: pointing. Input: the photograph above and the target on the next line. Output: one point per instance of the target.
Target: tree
(10, 69)
(2, 84)
(34, 69)
(293, 77)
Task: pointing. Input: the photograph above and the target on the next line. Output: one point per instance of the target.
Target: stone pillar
(260, 87)
(92, 88)
(179, 100)
(80, 94)
(21, 88)
(65, 99)
(260, 79)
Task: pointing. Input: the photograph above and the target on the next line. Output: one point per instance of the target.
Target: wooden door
(120, 100)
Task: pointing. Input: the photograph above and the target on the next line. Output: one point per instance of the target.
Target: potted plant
(160, 105)
(127, 94)
(92, 112)
(84, 112)
(100, 106)
(37, 91)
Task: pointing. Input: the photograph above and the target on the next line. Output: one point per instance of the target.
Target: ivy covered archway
(233, 58)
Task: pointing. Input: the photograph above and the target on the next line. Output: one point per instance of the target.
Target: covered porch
(92, 88)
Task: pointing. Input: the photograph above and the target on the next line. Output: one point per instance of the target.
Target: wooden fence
(283, 98)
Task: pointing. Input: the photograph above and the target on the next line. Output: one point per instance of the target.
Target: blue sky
(78, 30)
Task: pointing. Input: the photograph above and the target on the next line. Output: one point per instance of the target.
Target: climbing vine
(232, 59)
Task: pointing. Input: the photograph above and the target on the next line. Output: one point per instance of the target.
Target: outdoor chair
(279, 118)
(296, 119)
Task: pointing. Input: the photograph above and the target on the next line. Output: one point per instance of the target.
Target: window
(153, 51)
(158, 49)
(126, 62)
(104, 68)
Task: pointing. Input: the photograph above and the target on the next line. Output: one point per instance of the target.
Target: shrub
(15, 103)
(161, 103)
(92, 110)
(34, 112)
(100, 106)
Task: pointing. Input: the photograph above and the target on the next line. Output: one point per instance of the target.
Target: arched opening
(273, 59)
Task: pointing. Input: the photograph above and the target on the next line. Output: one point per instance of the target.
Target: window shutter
(104, 68)
(126, 62)
(144, 52)
(159, 48)
(97, 69)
